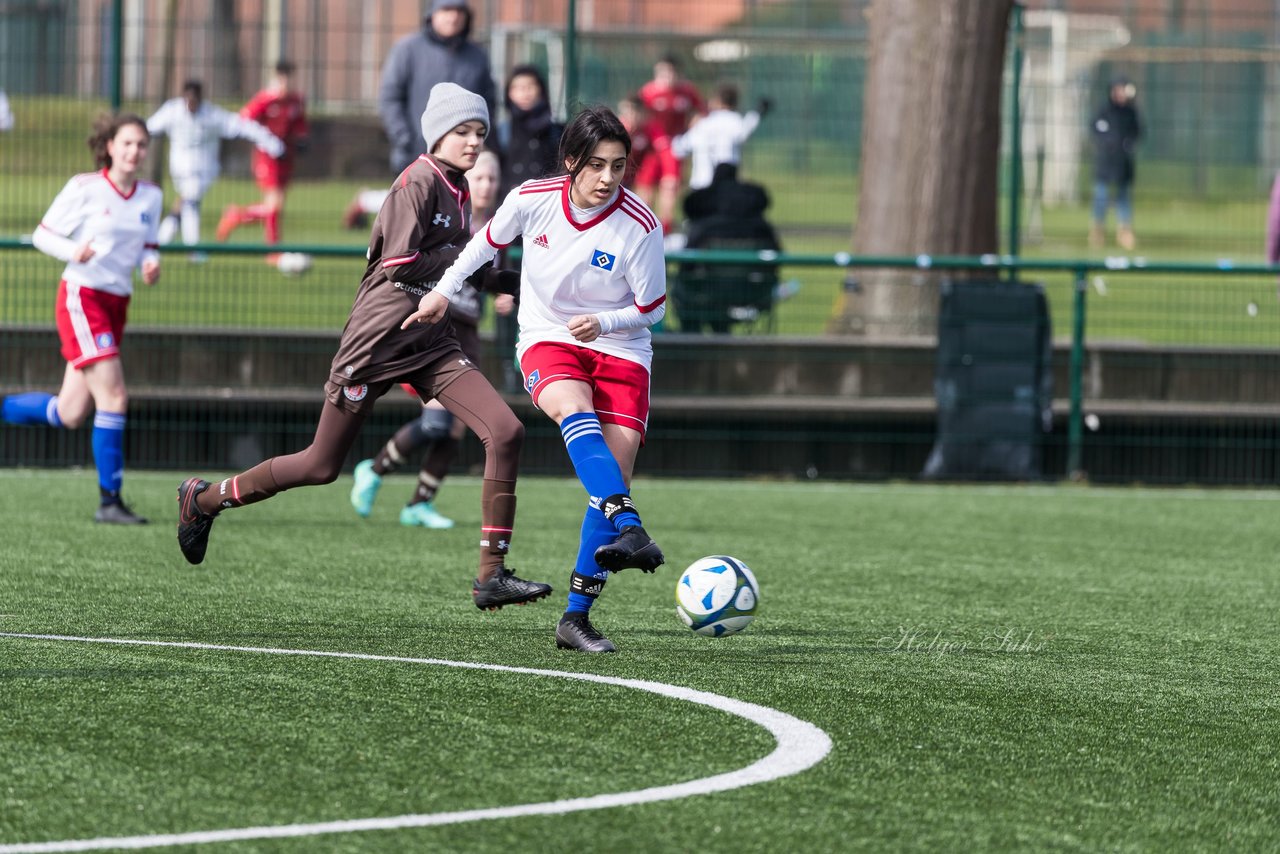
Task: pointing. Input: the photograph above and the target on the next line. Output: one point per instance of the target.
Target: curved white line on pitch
(800, 745)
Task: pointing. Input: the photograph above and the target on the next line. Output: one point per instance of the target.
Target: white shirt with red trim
(120, 228)
(607, 261)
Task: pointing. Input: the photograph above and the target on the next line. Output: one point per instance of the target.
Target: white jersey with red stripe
(602, 261)
(120, 228)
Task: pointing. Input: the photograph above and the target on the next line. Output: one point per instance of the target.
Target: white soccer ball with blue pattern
(717, 596)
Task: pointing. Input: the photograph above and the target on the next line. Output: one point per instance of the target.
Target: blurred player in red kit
(281, 109)
(671, 103)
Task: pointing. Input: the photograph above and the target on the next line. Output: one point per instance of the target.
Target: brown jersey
(420, 230)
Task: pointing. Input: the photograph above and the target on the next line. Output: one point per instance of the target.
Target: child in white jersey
(196, 128)
(718, 136)
(103, 224)
(592, 283)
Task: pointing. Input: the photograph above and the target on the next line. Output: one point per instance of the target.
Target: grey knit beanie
(449, 106)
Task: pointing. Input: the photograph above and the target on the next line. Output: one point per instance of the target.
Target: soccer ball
(293, 263)
(717, 596)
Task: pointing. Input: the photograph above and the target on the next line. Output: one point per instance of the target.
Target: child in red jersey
(671, 103)
(282, 111)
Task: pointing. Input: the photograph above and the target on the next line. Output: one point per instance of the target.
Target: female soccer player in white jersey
(593, 281)
(104, 225)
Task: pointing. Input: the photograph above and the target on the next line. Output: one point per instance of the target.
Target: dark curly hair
(105, 129)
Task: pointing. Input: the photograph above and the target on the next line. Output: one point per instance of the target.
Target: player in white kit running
(196, 129)
(103, 224)
(593, 281)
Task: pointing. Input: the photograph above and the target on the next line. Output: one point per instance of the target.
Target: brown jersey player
(418, 233)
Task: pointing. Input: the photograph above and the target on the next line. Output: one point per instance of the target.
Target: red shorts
(271, 174)
(90, 324)
(620, 387)
(657, 164)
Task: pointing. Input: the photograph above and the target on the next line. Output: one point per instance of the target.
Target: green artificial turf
(999, 668)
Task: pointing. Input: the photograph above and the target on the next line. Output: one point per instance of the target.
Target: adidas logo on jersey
(541, 241)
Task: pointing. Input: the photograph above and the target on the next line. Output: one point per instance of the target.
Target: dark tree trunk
(228, 83)
(930, 153)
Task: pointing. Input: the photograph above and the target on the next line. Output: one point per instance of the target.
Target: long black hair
(585, 131)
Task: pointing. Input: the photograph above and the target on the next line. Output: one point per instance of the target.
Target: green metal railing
(1079, 270)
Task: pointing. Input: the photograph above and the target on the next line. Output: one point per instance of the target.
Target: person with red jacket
(283, 112)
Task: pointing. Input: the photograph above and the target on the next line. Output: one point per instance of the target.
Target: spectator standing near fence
(104, 225)
(529, 139)
(418, 233)
(441, 52)
(718, 136)
(529, 142)
(196, 129)
(592, 284)
(435, 430)
(670, 102)
(1116, 130)
(282, 110)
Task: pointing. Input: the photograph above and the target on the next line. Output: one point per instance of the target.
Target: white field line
(800, 745)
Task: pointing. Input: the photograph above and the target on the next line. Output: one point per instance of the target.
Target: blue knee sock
(34, 407)
(595, 465)
(108, 450)
(596, 532)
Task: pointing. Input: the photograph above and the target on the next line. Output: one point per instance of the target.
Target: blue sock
(33, 407)
(108, 450)
(595, 465)
(596, 532)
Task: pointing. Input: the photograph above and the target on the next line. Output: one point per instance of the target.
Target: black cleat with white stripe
(634, 549)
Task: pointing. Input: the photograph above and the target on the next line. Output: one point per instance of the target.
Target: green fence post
(1015, 137)
(571, 59)
(1075, 424)
(117, 57)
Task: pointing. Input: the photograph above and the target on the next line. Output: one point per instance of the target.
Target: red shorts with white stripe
(619, 387)
(90, 324)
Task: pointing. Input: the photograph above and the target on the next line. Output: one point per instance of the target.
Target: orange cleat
(230, 221)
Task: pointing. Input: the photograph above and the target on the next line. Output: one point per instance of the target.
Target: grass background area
(1130, 709)
(814, 208)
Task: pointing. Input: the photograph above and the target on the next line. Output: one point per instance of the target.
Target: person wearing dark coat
(726, 196)
(528, 144)
(1116, 131)
(441, 52)
(727, 214)
(529, 140)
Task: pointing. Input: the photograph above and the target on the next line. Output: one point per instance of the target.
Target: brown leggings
(469, 397)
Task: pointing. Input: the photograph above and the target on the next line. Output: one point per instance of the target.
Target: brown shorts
(469, 339)
(428, 381)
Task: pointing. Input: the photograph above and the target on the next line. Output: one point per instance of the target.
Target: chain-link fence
(1206, 96)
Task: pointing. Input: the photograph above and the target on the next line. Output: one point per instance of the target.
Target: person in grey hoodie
(441, 53)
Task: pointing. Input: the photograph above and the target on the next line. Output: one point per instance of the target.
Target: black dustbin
(994, 381)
